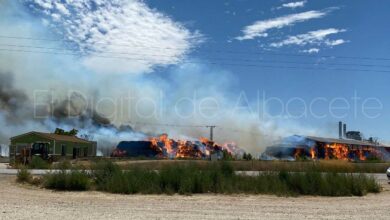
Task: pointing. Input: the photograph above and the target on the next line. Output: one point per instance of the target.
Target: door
(63, 150)
(74, 153)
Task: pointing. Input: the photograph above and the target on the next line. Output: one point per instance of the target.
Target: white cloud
(44, 4)
(293, 4)
(335, 42)
(260, 28)
(311, 50)
(123, 28)
(61, 8)
(318, 37)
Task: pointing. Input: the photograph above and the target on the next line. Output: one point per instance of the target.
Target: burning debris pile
(164, 147)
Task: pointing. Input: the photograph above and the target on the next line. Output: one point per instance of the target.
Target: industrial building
(49, 146)
(349, 146)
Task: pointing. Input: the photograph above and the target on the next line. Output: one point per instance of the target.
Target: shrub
(63, 165)
(103, 172)
(38, 163)
(214, 178)
(23, 175)
(73, 180)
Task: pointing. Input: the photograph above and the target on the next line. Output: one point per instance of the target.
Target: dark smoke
(11, 99)
(70, 111)
(17, 114)
(74, 110)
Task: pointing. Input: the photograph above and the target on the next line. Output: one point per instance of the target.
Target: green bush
(38, 163)
(220, 178)
(214, 178)
(103, 172)
(23, 175)
(63, 180)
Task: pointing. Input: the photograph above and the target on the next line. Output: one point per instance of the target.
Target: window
(63, 150)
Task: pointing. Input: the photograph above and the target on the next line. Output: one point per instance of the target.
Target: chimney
(345, 130)
(340, 130)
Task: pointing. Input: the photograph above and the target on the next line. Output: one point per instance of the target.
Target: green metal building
(51, 146)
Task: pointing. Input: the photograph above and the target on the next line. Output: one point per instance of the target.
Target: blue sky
(366, 35)
(290, 50)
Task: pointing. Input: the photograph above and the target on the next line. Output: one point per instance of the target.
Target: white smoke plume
(41, 90)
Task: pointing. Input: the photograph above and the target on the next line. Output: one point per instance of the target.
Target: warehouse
(296, 146)
(350, 145)
(49, 146)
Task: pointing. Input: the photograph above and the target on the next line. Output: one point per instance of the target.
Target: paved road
(33, 172)
(378, 176)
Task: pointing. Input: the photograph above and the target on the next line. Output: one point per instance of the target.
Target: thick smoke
(11, 99)
(111, 108)
(17, 115)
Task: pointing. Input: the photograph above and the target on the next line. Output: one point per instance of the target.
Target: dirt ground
(26, 202)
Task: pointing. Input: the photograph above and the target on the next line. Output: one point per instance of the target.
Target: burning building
(349, 146)
(164, 147)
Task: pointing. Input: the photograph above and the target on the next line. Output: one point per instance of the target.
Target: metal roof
(56, 137)
(343, 141)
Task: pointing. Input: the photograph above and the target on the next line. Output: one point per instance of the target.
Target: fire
(361, 155)
(170, 148)
(204, 140)
(167, 142)
(312, 153)
(346, 152)
(336, 151)
(298, 152)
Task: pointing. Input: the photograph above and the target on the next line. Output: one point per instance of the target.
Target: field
(20, 201)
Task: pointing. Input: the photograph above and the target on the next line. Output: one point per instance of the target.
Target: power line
(168, 125)
(204, 62)
(213, 51)
(213, 58)
(211, 127)
(241, 131)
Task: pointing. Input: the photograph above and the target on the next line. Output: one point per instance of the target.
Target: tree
(60, 131)
(226, 155)
(247, 156)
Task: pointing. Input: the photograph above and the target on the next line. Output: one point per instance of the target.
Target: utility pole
(211, 131)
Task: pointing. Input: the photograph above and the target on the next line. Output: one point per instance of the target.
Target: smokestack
(345, 130)
(340, 129)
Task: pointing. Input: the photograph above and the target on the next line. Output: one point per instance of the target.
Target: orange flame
(188, 149)
(312, 153)
(336, 151)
